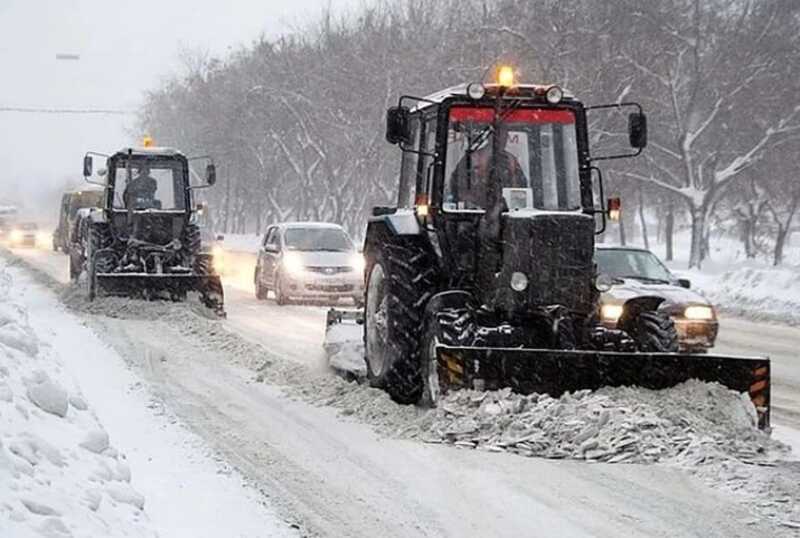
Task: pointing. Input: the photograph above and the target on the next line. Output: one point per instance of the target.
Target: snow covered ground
(346, 460)
(85, 448)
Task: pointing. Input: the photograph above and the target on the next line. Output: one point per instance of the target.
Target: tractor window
(537, 162)
(408, 170)
(152, 185)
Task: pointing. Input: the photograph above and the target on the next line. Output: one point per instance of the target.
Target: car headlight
(217, 256)
(15, 236)
(293, 263)
(43, 238)
(699, 312)
(611, 312)
(358, 263)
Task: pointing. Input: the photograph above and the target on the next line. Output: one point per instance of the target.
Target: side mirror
(87, 166)
(397, 125)
(684, 283)
(637, 130)
(211, 174)
(220, 237)
(102, 172)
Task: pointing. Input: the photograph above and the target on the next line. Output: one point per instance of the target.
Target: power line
(37, 110)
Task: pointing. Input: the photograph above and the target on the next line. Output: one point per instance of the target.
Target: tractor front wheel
(398, 287)
(654, 332)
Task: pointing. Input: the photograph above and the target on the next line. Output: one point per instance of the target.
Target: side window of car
(273, 241)
(267, 236)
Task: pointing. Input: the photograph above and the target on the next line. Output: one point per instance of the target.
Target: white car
(309, 261)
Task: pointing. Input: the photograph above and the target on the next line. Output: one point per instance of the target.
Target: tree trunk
(780, 242)
(643, 221)
(696, 254)
(669, 230)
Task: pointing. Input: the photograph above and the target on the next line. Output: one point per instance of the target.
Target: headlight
(217, 256)
(357, 263)
(43, 238)
(292, 263)
(611, 312)
(519, 281)
(16, 236)
(554, 95)
(699, 312)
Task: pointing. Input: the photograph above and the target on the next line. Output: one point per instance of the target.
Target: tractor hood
(628, 288)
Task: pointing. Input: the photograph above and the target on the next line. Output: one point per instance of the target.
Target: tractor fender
(400, 222)
(632, 307)
(448, 299)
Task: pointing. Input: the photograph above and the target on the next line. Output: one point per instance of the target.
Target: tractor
(144, 240)
(483, 275)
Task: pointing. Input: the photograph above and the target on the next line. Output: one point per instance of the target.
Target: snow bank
(754, 291)
(59, 476)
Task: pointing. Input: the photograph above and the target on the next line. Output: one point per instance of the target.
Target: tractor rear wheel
(398, 287)
(654, 332)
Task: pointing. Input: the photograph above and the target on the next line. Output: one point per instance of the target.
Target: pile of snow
(754, 290)
(59, 476)
(695, 422)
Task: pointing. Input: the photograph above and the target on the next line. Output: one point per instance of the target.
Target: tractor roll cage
(430, 178)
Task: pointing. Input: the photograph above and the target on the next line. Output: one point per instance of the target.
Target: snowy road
(337, 477)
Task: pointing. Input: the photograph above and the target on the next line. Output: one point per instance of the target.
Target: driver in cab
(469, 179)
(140, 191)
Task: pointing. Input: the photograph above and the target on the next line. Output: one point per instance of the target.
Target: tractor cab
(501, 174)
(144, 238)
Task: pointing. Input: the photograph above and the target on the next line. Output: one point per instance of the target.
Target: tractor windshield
(537, 162)
(153, 184)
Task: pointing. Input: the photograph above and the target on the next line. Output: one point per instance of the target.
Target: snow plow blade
(557, 371)
(344, 342)
(168, 286)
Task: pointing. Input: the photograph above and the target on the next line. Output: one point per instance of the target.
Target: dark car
(636, 272)
(309, 261)
(71, 203)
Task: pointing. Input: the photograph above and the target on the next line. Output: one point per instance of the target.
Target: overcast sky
(125, 47)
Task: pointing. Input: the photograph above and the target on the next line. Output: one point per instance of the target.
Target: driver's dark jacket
(471, 189)
(140, 187)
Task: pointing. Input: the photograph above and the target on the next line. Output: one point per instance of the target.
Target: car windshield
(330, 239)
(28, 226)
(151, 185)
(639, 264)
(537, 164)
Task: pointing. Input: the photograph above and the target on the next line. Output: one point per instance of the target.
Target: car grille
(328, 270)
(338, 288)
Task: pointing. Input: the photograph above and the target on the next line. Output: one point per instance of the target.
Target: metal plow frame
(127, 284)
(555, 372)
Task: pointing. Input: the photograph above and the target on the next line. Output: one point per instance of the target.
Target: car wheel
(280, 298)
(261, 291)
